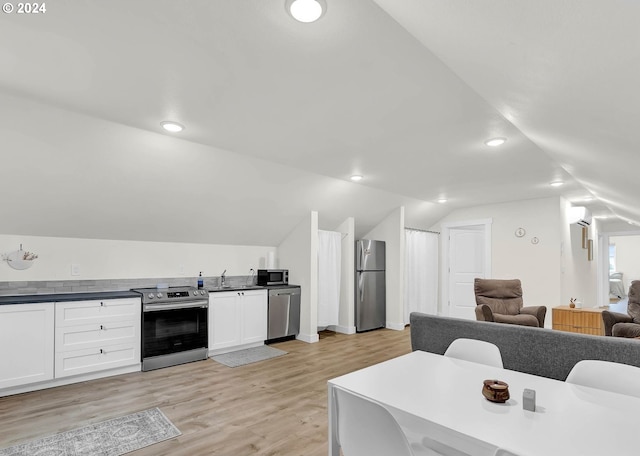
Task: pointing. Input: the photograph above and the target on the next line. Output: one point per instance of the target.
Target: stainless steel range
(174, 326)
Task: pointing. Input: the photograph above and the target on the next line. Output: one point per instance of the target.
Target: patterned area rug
(248, 356)
(108, 438)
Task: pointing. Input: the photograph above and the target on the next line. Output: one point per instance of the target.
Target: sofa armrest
(484, 313)
(540, 312)
(611, 318)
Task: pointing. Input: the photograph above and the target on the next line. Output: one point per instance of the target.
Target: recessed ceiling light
(306, 10)
(495, 142)
(556, 183)
(356, 177)
(173, 127)
(442, 200)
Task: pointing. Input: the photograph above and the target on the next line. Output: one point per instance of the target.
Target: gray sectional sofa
(539, 351)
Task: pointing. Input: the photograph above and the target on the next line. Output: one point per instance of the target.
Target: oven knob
(159, 295)
(195, 293)
(150, 295)
(202, 292)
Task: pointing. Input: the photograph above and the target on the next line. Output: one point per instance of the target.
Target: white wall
(536, 265)
(299, 254)
(346, 316)
(109, 259)
(579, 275)
(391, 230)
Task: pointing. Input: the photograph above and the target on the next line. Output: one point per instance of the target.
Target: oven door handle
(185, 305)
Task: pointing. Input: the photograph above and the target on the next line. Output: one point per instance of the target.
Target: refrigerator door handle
(361, 286)
(361, 249)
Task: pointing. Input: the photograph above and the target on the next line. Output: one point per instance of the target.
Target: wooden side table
(583, 321)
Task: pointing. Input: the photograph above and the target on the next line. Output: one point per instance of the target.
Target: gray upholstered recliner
(501, 301)
(621, 325)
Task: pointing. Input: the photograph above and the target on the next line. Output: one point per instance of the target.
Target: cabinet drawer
(96, 359)
(96, 311)
(96, 335)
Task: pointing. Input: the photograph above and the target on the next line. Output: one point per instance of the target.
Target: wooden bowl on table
(495, 391)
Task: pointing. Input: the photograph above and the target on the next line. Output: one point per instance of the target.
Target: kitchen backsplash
(84, 286)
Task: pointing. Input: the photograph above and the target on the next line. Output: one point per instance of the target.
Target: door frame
(445, 270)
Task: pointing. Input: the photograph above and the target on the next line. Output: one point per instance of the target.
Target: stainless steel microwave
(268, 277)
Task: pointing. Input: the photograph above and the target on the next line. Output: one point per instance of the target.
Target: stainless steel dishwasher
(284, 312)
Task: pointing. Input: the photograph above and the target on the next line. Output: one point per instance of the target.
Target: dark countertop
(275, 287)
(234, 288)
(30, 299)
(249, 287)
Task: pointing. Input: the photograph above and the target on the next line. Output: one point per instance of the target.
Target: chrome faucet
(222, 278)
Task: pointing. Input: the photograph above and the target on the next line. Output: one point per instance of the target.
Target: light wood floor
(275, 407)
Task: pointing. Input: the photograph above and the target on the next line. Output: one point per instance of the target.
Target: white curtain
(329, 257)
(421, 273)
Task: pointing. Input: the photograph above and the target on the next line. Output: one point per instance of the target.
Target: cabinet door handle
(101, 328)
(101, 304)
(101, 351)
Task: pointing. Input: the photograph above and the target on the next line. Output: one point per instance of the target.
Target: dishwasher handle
(285, 292)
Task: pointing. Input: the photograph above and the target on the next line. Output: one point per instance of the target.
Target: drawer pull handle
(101, 328)
(101, 351)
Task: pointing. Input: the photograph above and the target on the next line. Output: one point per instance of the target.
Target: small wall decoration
(590, 250)
(20, 259)
(585, 234)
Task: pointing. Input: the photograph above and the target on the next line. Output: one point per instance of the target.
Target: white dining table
(440, 398)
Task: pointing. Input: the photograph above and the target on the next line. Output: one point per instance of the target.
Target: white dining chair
(365, 428)
(474, 350)
(605, 375)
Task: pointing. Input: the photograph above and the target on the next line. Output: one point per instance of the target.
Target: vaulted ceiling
(279, 114)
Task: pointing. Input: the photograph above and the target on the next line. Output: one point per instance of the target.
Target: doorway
(466, 254)
(619, 266)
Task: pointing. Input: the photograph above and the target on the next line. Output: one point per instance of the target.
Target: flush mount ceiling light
(442, 200)
(556, 183)
(356, 177)
(173, 127)
(306, 10)
(495, 142)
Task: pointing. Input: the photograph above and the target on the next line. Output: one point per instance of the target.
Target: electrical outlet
(75, 269)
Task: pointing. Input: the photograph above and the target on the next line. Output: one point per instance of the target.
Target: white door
(466, 262)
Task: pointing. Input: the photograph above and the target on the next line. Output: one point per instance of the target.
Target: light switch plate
(75, 269)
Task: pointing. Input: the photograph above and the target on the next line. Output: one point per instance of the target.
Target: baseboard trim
(344, 329)
(308, 338)
(395, 326)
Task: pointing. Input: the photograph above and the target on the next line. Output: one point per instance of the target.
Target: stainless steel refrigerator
(370, 300)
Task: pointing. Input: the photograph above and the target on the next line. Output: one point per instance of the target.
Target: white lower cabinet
(96, 335)
(48, 344)
(26, 343)
(237, 320)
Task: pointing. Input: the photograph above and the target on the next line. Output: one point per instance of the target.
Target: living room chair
(621, 325)
(366, 428)
(605, 375)
(477, 351)
(500, 301)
